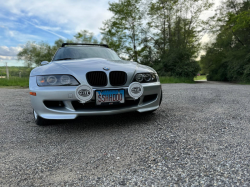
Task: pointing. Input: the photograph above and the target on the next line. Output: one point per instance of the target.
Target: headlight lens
(65, 79)
(56, 80)
(139, 77)
(145, 77)
(51, 80)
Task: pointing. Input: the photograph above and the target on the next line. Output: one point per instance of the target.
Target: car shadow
(105, 121)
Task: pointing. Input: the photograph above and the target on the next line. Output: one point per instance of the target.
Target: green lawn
(200, 78)
(175, 80)
(244, 83)
(24, 82)
(14, 81)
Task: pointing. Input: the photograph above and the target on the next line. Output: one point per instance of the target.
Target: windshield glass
(68, 53)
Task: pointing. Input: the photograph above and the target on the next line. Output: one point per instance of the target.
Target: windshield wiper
(64, 59)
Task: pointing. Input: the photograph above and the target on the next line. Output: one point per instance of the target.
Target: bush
(178, 64)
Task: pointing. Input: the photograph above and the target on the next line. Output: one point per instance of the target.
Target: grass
(24, 82)
(200, 78)
(244, 83)
(15, 81)
(176, 80)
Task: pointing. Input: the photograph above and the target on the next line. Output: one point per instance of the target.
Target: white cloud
(9, 52)
(21, 37)
(71, 15)
(48, 29)
(8, 57)
(209, 13)
(10, 32)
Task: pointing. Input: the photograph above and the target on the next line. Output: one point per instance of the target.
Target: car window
(68, 53)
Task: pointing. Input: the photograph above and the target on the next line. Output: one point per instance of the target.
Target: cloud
(8, 58)
(8, 32)
(21, 37)
(68, 14)
(47, 29)
(209, 13)
(9, 52)
(2, 26)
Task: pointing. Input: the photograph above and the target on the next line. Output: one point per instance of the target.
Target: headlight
(56, 80)
(52, 80)
(139, 77)
(65, 79)
(145, 77)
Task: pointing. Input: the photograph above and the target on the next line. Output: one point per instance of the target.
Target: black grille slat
(97, 78)
(117, 78)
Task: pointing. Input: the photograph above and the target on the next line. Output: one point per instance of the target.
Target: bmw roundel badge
(106, 68)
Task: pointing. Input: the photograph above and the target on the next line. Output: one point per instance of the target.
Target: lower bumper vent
(54, 104)
(93, 106)
(149, 98)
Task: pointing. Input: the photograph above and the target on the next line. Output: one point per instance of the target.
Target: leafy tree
(34, 53)
(175, 33)
(115, 37)
(228, 58)
(85, 36)
(123, 30)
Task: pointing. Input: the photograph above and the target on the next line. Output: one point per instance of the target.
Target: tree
(176, 26)
(114, 37)
(34, 53)
(228, 58)
(125, 26)
(85, 36)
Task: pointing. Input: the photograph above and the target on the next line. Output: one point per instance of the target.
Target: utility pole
(7, 71)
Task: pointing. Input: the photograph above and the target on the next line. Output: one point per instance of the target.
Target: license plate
(110, 97)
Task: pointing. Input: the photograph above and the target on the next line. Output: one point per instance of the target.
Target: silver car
(88, 79)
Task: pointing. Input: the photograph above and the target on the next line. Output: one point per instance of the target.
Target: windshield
(68, 53)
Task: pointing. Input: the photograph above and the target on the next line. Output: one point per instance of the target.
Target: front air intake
(117, 78)
(97, 78)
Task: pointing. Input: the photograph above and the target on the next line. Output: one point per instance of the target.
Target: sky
(46, 20)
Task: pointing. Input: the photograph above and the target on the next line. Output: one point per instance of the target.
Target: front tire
(40, 121)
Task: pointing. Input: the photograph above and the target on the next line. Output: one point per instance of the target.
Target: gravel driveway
(199, 137)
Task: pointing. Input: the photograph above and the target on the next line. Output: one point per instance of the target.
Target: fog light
(135, 90)
(84, 93)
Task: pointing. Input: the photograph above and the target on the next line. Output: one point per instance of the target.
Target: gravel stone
(198, 137)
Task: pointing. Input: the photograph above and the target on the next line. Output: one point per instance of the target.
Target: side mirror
(44, 63)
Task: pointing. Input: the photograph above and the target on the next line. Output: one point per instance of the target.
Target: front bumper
(66, 95)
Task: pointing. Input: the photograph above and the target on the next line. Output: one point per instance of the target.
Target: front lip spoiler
(94, 113)
(147, 109)
(55, 116)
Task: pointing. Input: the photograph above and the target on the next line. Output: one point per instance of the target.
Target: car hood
(79, 68)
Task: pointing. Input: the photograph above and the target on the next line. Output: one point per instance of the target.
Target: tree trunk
(135, 52)
(169, 33)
